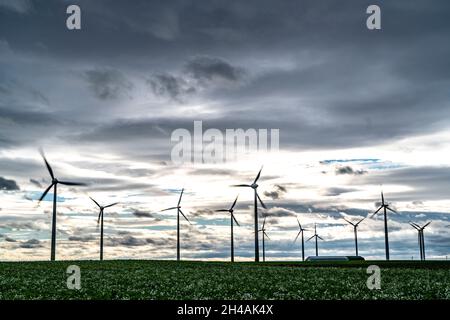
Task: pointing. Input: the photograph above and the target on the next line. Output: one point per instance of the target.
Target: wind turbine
(232, 220)
(178, 207)
(316, 236)
(264, 235)
(385, 207)
(100, 220)
(254, 186)
(355, 229)
(303, 242)
(421, 238)
(54, 184)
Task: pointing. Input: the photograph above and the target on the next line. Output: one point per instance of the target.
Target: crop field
(134, 279)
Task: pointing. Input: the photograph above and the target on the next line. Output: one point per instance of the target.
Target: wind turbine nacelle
(254, 186)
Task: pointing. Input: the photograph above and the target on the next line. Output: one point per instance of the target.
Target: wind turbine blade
(360, 221)
(426, 225)
(234, 218)
(68, 183)
(392, 210)
(171, 208)
(310, 238)
(299, 225)
(320, 238)
(110, 205)
(241, 185)
(414, 226)
(376, 212)
(95, 202)
(264, 223)
(45, 192)
(260, 201)
(265, 234)
(234, 203)
(181, 194)
(222, 210)
(382, 197)
(298, 234)
(99, 215)
(185, 216)
(47, 164)
(349, 222)
(259, 174)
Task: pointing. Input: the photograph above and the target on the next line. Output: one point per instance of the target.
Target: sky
(358, 111)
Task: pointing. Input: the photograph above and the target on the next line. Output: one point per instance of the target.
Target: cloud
(81, 238)
(202, 212)
(127, 241)
(207, 69)
(279, 212)
(31, 244)
(19, 6)
(336, 191)
(107, 84)
(8, 239)
(36, 183)
(276, 193)
(199, 73)
(167, 85)
(143, 214)
(349, 170)
(9, 185)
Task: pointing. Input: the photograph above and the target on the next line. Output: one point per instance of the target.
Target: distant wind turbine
(100, 220)
(317, 237)
(54, 184)
(355, 230)
(254, 186)
(178, 207)
(264, 235)
(385, 207)
(232, 220)
(421, 238)
(301, 232)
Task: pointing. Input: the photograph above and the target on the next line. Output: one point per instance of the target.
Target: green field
(134, 279)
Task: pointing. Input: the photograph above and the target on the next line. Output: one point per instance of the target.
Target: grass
(134, 279)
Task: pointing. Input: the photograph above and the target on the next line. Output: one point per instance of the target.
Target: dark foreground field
(214, 280)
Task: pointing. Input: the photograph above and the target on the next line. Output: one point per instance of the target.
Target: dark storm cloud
(171, 86)
(7, 184)
(309, 68)
(198, 74)
(363, 84)
(108, 84)
(208, 69)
